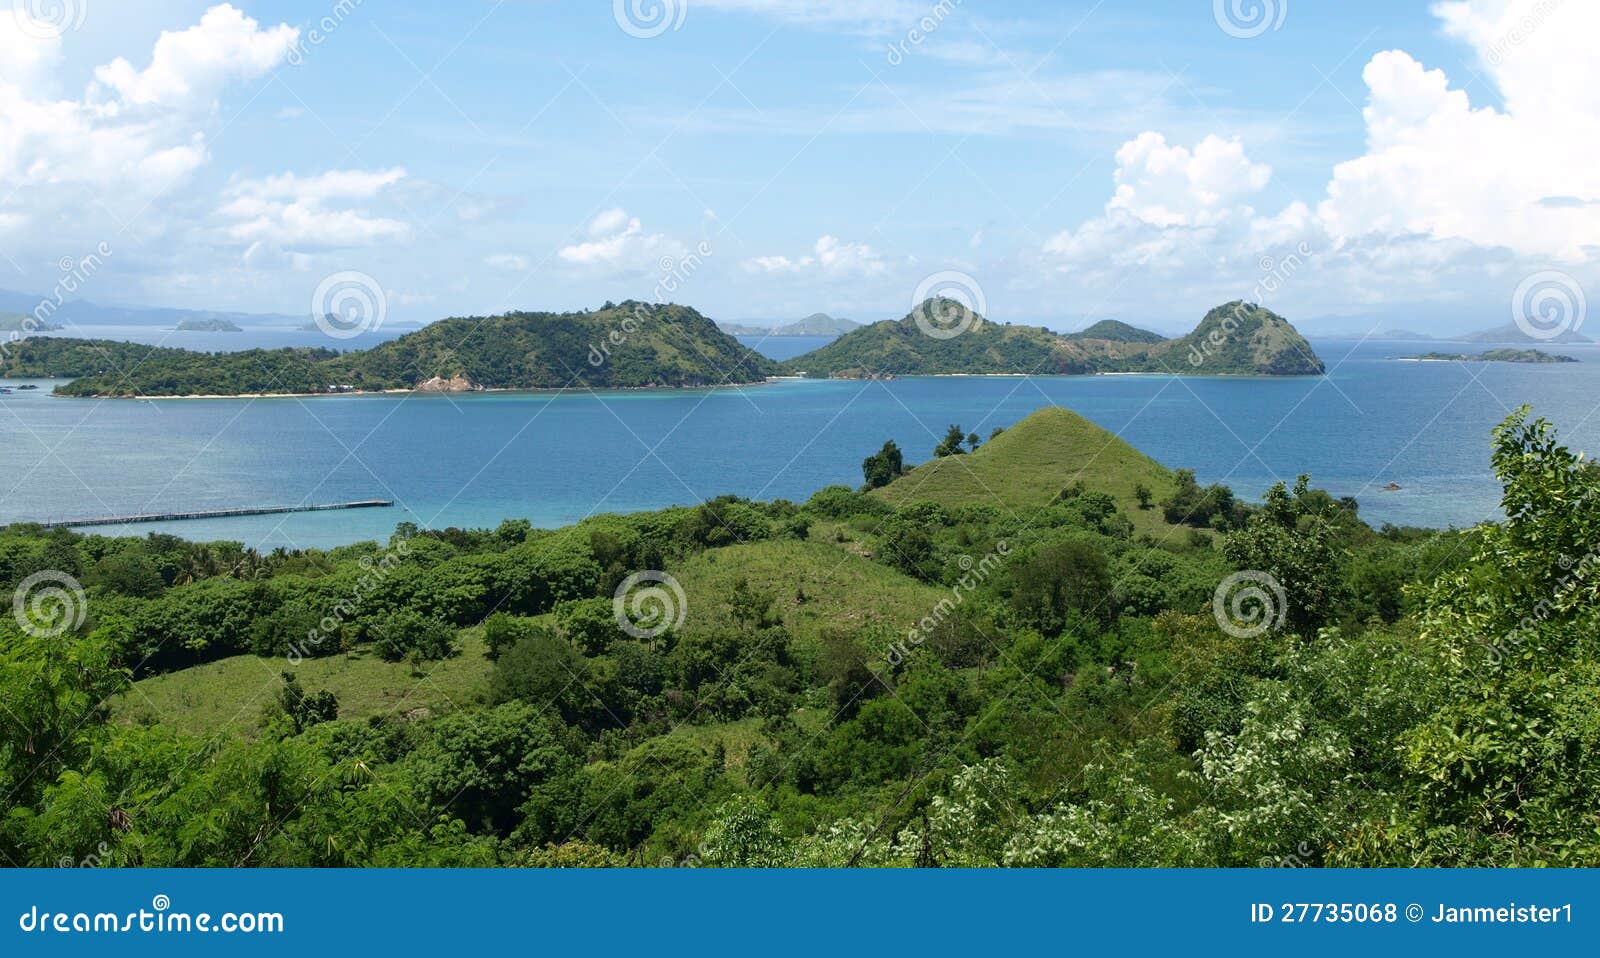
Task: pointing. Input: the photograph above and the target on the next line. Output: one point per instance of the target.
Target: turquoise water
(555, 458)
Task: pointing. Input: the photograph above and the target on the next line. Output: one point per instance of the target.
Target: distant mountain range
(85, 313)
(1512, 333)
(817, 324)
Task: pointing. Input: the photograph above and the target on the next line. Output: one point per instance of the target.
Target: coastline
(420, 392)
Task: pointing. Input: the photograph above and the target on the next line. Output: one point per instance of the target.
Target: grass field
(228, 695)
(1029, 464)
(816, 585)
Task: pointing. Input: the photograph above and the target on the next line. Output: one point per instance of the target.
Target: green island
(215, 325)
(638, 345)
(1506, 355)
(27, 324)
(623, 345)
(1040, 648)
(1236, 338)
(817, 324)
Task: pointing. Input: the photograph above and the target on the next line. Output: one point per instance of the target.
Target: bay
(554, 458)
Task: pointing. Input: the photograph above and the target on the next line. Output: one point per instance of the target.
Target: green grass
(839, 588)
(227, 696)
(1028, 465)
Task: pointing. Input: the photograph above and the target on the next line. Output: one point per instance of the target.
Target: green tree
(950, 445)
(883, 466)
(1297, 539)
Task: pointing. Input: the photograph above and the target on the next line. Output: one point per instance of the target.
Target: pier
(214, 514)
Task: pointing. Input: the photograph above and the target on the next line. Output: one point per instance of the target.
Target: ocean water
(555, 458)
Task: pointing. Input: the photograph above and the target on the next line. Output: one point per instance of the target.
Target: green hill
(1116, 331)
(1027, 466)
(620, 346)
(1234, 339)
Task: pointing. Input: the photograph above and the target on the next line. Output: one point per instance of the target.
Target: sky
(1056, 163)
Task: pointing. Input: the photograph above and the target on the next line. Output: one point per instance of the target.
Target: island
(1514, 333)
(817, 324)
(208, 326)
(1491, 356)
(619, 346)
(942, 337)
(27, 324)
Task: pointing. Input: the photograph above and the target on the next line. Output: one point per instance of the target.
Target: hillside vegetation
(620, 346)
(1234, 339)
(941, 672)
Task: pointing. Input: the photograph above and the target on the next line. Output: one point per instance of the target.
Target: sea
(1410, 441)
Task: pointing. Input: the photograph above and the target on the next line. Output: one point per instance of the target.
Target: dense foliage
(1066, 696)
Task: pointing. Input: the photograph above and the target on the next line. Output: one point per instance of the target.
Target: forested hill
(942, 337)
(627, 345)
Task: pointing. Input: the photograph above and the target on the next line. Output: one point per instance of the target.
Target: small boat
(5, 390)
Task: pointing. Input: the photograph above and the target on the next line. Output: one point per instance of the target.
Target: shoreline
(420, 392)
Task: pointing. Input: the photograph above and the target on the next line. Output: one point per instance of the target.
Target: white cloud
(189, 67)
(508, 263)
(292, 211)
(828, 255)
(1448, 201)
(618, 242)
(1437, 165)
(133, 136)
(1174, 186)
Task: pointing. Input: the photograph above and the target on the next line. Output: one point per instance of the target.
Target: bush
(407, 633)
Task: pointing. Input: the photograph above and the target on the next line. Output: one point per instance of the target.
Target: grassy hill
(1116, 331)
(817, 585)
(1234, 339)
(1028, 465)
(227, 696)
(621, 346)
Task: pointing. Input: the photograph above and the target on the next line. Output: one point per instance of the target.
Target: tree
(1297, 540)
(883, 466)
(1142, 493)
(1055, 581)
(951, 444)
(973, 441)
(303, 708)
(407, 633)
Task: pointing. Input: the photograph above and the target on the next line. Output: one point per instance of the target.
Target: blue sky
(1069, 160)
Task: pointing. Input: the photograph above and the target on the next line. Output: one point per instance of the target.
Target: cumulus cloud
(618, 241)
(1435, 164)
(189, 67)
(828, 255)
(302, 212)
(1447, 199)
(508, 263)
(134, 134)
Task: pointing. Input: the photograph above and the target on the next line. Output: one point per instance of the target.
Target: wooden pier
(214, 514)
